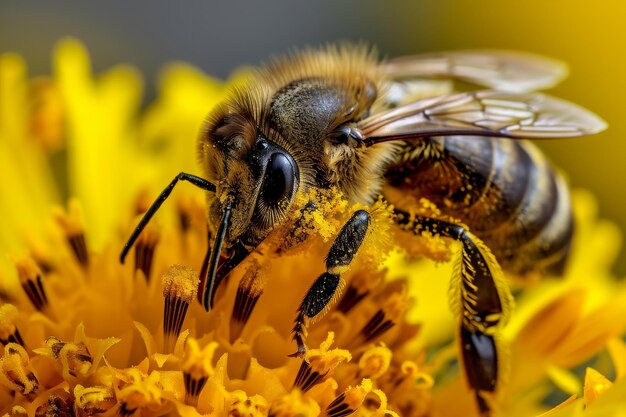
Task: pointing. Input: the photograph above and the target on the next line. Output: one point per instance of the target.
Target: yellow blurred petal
(595, 385)
(617, 350)
(567, 381)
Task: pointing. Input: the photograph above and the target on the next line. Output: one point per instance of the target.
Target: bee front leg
(328, 286)
(481, 299)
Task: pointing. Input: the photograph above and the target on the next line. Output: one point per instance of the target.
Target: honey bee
(337, 117)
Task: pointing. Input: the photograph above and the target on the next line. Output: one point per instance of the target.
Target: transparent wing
(500, 70)
(483, 113)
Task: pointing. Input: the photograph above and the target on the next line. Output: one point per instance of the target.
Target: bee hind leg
(328, 286)
(481, 300)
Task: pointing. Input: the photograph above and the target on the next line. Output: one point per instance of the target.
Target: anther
(375, 361)
(197, 368)
(8, 330)
(71, 222)
(249, 291)
(319, 364)
(32, 282)
(350, 400)
(144, 250)
(15, 372)
(74, 358)
(93, 400)
(56, 407)
(180, 284)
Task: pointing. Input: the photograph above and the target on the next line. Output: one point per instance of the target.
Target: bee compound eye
(344, 134)
(279, 181)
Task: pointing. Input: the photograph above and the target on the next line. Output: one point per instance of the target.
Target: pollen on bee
(180, 284)
(32, 282)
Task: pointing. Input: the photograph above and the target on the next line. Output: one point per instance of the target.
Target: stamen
(180, 284)
(307, 378)
(362, 284)
(184, 209)
(75, 358)
(32, 282)
(15, 372)
(386, 317)
(294, 404)
(249, 291)
(8, 330)
(319, 364)
(197, 368)
(375, 361)
(376, 326)
(351, 298)
(56, 407)
(125, 410)
(94, 400)
(142, 202)
(242, 405)
(144, 250)
(71, 223)
(350, 400)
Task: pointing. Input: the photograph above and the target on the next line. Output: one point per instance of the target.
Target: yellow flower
(84, 335)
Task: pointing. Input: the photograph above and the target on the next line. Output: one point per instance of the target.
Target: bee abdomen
(504, 190)
(530, 207)
(548, 250)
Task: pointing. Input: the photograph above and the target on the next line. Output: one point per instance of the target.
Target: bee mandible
(338, 117)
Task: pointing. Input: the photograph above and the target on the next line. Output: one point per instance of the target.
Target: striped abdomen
(504, 190)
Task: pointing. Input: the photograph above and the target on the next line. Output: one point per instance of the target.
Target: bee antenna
(197, 181)
(209, 286)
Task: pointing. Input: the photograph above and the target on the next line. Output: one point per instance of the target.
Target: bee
(338, 117)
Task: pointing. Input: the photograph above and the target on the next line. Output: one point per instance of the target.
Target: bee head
(257, 177)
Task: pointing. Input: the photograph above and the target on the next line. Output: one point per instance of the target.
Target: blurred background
(218, 37)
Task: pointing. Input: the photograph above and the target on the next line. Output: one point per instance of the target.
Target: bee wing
(482, 113)
(500, 70)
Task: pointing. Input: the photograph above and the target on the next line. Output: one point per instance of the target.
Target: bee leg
(327, 287)
(183, 176)
(482, 303)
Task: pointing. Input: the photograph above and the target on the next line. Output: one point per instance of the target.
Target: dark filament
(79, 247)
(351, 299)
(248, 293)
(144, 253)
(193, 386)
(35, 292)
(338, 408)
(376, 326)
(16, 337)
(173, 318)
(307, 378)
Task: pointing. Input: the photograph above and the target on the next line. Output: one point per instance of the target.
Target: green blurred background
(589, 36)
